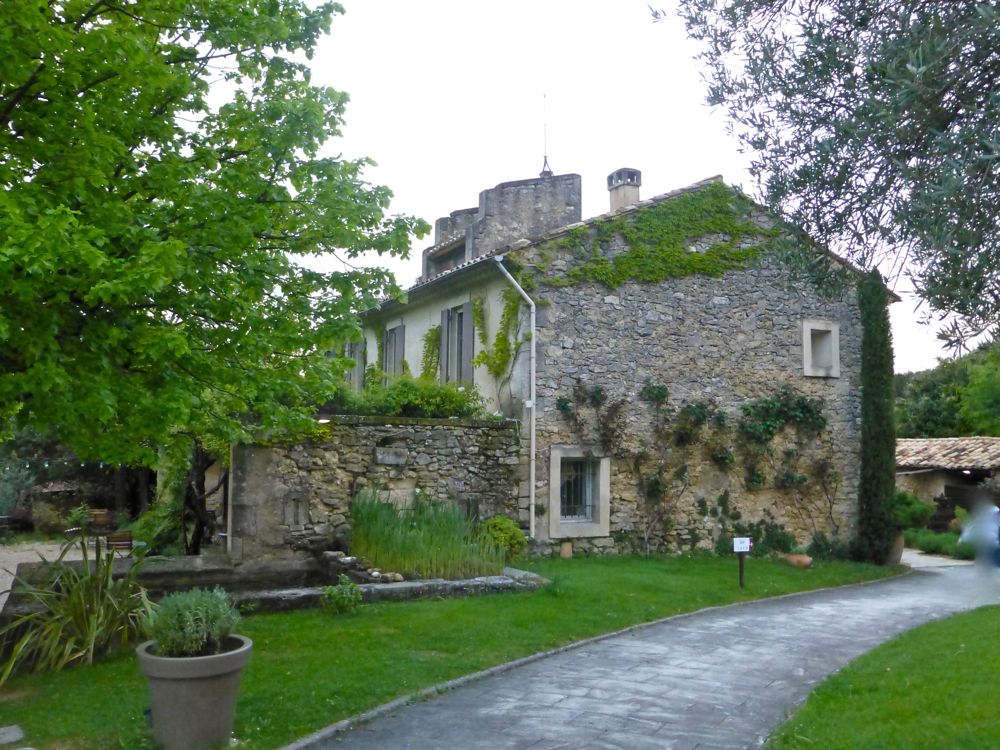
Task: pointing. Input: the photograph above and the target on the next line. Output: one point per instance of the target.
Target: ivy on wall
(499, 358)
(431, 360)
(658, 239)
(878, 429)
(660, 465)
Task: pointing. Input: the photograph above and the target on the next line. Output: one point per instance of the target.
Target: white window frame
(573, 528)
(810, 367)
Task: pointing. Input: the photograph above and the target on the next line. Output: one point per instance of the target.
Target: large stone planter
(896, 550)
(193, 699)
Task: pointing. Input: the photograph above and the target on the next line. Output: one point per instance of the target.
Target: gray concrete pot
(193, 698)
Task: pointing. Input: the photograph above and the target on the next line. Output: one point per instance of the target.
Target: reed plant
(429, 539)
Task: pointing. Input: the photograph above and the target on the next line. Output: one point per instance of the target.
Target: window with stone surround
(820, 349)
(579, 492)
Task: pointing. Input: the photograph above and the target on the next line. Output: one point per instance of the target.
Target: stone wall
(726, 341)
(292, 500)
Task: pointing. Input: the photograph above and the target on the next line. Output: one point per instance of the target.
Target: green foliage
(163, 177)
(721, 455)
(79, 516)
(689, 421)
(876, 492)
(658, 237)
(763, 419)
(47, 518)
(82, 613)
(431, 361)
(654, 393)
(506, 535)
(909, 511)
(343, 598)
(430, 539)
(565, 407)
(981, 398)
(823, 548)
(939, 543)
(160, 526)
(929, 404)
(956, 524)
(499, 358)
(193, 623)
(407, 396)
(864, 134)
(754, 478)
(16, 481)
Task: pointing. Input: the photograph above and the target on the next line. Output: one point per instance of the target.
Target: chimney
(623, 184)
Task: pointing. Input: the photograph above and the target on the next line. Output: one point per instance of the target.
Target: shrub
(506, 535)
(934, 543)
(16, 482)
(956, 524)
(160, 528)
(343, 598)
(193, 623)
(823, 548)
(79, 516)
(429, 539)
(407, 396)
(83, 613)
(909, 511)
(47, 518)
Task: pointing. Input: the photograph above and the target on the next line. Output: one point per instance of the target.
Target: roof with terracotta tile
(948, 453)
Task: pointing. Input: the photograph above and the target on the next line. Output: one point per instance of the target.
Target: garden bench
(120, 542)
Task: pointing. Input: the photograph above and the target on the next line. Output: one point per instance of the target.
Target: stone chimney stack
(623, 184)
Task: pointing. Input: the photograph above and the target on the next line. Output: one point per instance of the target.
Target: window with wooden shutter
(358, 351)
(457, 344)
(394, 351)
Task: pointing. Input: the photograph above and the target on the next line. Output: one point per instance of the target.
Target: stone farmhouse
(674, 380)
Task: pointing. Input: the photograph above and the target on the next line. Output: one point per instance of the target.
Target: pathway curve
(720, 678)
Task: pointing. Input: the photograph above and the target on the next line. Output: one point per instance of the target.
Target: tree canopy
(875, 126)
(957, 398)
(161, 183)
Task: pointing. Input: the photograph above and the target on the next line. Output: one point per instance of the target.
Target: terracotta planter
(896, 550)
(193, 698)
(798, 560)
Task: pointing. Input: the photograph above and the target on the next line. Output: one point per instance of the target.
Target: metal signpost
(741, 546)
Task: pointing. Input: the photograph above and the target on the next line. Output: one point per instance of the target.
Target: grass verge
(928, 688)
(310, 669)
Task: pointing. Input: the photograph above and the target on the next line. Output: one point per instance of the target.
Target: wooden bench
(99, 521)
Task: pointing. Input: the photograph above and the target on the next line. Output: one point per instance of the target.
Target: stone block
(11, 734)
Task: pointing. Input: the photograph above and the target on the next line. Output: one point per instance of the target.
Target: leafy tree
(161, 181)
(873, 125)
(952, 399)
(981, 402)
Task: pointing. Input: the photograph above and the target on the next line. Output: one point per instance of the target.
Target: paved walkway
(11, 555)
(722, 678)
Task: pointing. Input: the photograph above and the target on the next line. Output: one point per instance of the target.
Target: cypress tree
(878, 429)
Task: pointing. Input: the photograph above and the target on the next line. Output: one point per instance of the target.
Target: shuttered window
(356, 375)
(393, 351)
(457, 344)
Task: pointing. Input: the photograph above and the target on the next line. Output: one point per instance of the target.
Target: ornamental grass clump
(430, 539)
(193, 623)
(79, 614)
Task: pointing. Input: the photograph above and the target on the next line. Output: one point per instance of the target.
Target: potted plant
(193, 665)
(908, 512)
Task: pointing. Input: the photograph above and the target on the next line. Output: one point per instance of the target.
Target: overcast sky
(447, 98)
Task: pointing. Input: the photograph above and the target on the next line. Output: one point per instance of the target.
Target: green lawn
(929, 688)
(310, 669)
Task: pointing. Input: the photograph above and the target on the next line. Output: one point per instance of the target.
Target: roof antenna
(546, 169)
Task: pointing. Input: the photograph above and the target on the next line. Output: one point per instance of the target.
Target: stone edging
(442, 687)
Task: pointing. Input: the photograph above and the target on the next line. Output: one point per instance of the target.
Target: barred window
(578, 483)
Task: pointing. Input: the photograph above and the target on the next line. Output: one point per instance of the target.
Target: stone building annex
(672, 381)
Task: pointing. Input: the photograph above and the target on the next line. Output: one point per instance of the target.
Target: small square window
(579, 492)
(820, 349)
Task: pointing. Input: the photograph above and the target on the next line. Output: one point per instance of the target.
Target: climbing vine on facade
(431, 359)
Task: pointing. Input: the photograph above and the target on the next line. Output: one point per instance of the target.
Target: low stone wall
(290, 500)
